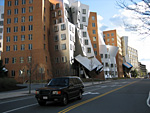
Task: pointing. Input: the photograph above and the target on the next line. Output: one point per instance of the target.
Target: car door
(71, 91)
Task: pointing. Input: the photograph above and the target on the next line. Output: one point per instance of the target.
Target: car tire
(80, 95)
(64, 100)
(42, 103)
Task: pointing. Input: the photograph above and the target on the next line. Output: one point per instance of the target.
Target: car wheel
(42, 103)
(80, 95)
(65, 100)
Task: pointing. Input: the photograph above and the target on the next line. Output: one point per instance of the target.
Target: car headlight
(36, 92)
(56, 92)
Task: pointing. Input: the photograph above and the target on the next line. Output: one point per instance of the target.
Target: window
(56, 28)
(22, 28)
(13, 60)
(23, 10)
(30, 18)
(107, 35)
(86, 42)
(22, 47)
(54, 14)
(52, 7)
(9, 12)
(88, 50)
(30, 1)
(7, 48)
(13, 73)
(1, 30)
(15, 20)
(30, 27)
(44, 46)
(1, 23)
(15, 29)
(105, 55)
(16, 2)
(44, 36)
(15, 11)
(56, 47)
(94, 38)
(2, 16)
(21, 59)
(44, 27)
(63, 36)
(30, 36)
(112, 65)
(112, 34)
(101, 55)
(95, 52)
(23, 19)
(29, 59)
(94, 32)
(60, 20)
(8, 20)
(55, 21)
(93, 17)
(58, 5)
(93, 24)
(15, 38)
(108, 39)
(83, 11)
(59, 13)
(15, 47)
(63, 46)
(8, 29)
(56, 38)
(63, 27)
(103, 35)
(83, 19)
(23, 2)
(6, 60)
(112, 39)
(84, 34)
(22, 37)
(81, 26)
(30, 46)
(31, 9)
(9, 3)
(8, 39)
(57, 60)
(106, 64)
(64, 59)
(94, 46)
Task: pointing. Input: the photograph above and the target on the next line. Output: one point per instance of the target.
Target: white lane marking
(96, 93)
(148, 100)
(15, 100)
(20, 108)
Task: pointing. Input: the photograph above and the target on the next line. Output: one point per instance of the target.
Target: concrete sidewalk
(25, 92)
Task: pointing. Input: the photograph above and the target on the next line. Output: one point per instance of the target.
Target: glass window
(84, 34)
(83, 11)
(31, 9)
(21, 59)
(9, 3)
(94, 45)
(56, 47)
(81, 26)
(93, 17)
(8, 20)
(112, 34)
(86, 42)
(95, 52)
(8, 39)
(63, 46)
(15, 47)
(7, 48)
(23, 10)
(60, 20)
(94, 38)
(22, 37)
(15, 38)
(59, 13)
(93, 24)
(58, 5)
(16, 2)
(8, 29)
(23, 19)
(108, 39)
(88, 50)
(1, 30)
(105, 55)
(101, 55)
(22, 47)
(15, 29)
(22, 28)
(30, 46)
(15, 20)
(94, 32)
(2, 16)
(30, 36)
(56, 28)
(29, 59)
(30, 18)
(108, 35)
(63, 27)
(64, 59)
(30, 27)
(53, 14)
(6, 60)
(112, 39)
(83, 19)
(9, 12)
(30, 1)
(13, 73)
(63, 36)
(15, 11)
(1, 23)
(56, 38)
(23, 1)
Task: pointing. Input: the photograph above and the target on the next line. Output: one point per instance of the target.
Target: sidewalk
(25, 92)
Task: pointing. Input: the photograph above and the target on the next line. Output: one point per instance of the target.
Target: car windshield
(59, 82)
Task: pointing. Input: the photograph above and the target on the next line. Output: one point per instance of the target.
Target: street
(117, 96)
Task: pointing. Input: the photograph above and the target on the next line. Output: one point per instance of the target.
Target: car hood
(52, 88)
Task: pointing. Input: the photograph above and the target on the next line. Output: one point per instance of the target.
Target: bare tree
(141, 11)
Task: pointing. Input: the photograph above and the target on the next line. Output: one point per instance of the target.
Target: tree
(134, 73)
(141, 11)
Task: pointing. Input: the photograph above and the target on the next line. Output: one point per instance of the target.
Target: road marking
(20, 108)
(15, 100)
(148, 100)
(96, 93)
(89, 100)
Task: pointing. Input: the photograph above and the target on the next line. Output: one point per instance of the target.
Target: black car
(60, 89)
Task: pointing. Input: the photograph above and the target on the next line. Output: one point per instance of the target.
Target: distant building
(142, 68)
(1, 28)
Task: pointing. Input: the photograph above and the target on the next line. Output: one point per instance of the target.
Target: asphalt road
(118, 96)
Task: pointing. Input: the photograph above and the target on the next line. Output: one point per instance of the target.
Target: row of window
(112, 34)
(9, 3)
(30, 28)
(107, 65)
(16, 38)
(16, 11)
(59, 13)
(84, 33)
(106, 56)
(22, 19)
(53, 6)
(22, 47)
(62, 59)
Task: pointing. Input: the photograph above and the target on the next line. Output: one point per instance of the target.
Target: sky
(110, 17)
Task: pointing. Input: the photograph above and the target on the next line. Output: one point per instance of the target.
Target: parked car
(60, 89)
